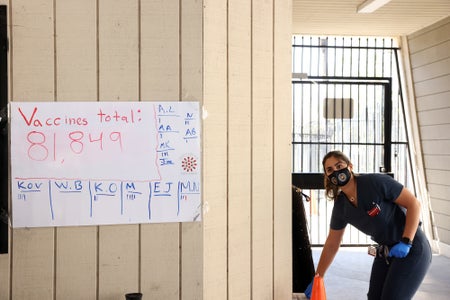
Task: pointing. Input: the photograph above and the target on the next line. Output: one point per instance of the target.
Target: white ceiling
(339, 17)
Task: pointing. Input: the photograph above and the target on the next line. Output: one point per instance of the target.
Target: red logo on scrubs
(374, 211)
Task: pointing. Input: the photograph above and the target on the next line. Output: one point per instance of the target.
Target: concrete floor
(348, 276)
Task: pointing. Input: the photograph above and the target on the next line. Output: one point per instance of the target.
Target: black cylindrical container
(133, 296)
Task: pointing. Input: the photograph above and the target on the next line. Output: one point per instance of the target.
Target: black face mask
(340, 177)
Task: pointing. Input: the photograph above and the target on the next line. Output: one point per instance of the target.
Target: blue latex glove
(309, 289)
(400, 250)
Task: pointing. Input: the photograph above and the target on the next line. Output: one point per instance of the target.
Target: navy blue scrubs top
(386, 227)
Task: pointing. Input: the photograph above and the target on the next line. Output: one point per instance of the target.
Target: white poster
(96, 163)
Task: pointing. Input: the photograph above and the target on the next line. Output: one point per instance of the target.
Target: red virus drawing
(189, 164)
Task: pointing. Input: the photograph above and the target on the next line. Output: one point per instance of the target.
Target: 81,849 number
(39, 149)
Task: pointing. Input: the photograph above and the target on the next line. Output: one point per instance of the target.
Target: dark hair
(332, 190)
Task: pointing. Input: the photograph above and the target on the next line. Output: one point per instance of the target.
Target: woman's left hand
(400, 250)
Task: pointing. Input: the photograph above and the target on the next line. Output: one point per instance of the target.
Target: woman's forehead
(332, 161)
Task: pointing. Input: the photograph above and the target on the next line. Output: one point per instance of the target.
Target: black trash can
(133, 296)
(302, 261)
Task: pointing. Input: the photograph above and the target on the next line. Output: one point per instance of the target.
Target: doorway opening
(347, 96)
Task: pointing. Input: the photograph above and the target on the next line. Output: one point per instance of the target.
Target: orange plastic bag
(318, 289)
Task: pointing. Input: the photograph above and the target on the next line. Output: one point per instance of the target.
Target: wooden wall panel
(191, 261)
(160, 261)
(437, 176)
(436, 147)
(76, 263)
(282, 164)
(438, 204)
(239, 149)
(443, 233)
(437, 132)
(191, 90)
(432, 70)
(5, 258)
(215, 150)
(434, 101)
(160, 80)
(232, 57)
(32, 59)
(432, 163)
(118, 58)
(443, 219)
(262, 149)
(160, 50)
(434, 117)
(32, 47)
(76, 50)
(76, 80)
(437, 52)
(429, 55)
(433, 86)
(118, 261)
(439, 191)
(431, 36)
(118, 42)
(32, 264)
(191, 27)
(4, 275)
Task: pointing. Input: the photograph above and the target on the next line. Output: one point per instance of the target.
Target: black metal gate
(346, 97)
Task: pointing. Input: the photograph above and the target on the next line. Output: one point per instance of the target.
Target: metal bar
(349, 143)
(347, 47)
(340, 79)
(388, 127)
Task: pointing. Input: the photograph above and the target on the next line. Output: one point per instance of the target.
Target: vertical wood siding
(262, 148)
(191, 86)
(430, 63)
(247, 62)
(118, 73)
(160, 77)
(215, 195)
(232, 56)
(32, 78)
(239, 149)
(282, 208)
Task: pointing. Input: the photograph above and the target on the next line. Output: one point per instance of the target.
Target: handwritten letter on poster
(95, 163)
